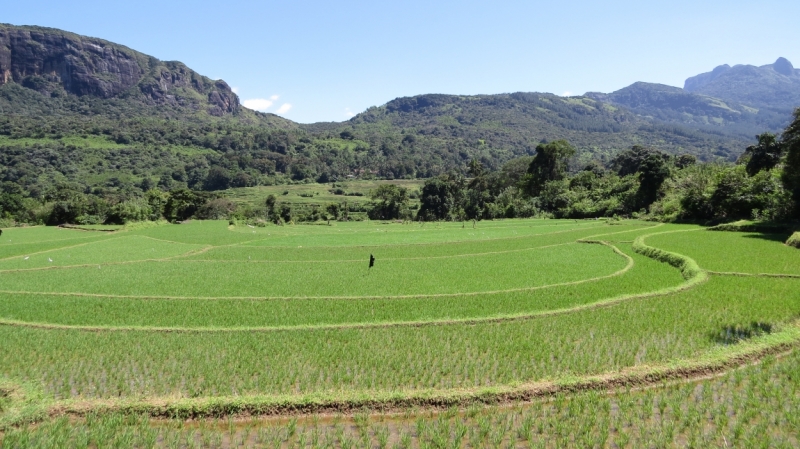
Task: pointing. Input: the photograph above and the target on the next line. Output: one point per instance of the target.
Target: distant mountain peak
(696, 82)
(775, 86)
(783, 66)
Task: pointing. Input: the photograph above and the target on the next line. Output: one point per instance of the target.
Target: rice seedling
(292, 315)
(743, 252)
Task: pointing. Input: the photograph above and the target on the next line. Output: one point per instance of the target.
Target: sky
(312, 61)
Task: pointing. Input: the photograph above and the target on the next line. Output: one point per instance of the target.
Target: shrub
(794, 240)
(216, 209)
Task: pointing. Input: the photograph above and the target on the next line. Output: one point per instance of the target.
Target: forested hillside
(86, 120)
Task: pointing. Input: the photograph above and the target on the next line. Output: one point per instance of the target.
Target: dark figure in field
(1, 232)
(371, 261)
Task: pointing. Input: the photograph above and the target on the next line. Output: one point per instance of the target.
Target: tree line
(764, 183)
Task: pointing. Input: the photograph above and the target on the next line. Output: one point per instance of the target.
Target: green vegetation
(76, 364)
(733, 251)
(794, 240)
(216, 262)
(67, 170)
(750, 407)
(639, 182)
(291, 314)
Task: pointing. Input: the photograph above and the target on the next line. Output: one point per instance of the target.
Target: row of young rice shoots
(119, 249)
(425, 269)
(645, 275)
(220, 233)
(10, 250)
(487, 272)
(129, 246)
(467, 248)
(71, 363)
(752, 407)
(44, 234)
(410, 234)
(743, 252)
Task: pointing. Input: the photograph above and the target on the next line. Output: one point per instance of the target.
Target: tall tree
(389, 202)
(630, 161)
(653, 171)
(763, 156)
(791, 167)
(442, 198)
(549, 164)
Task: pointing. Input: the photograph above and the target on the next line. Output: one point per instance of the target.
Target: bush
(128, 211)
(216, 209)
(794, 240)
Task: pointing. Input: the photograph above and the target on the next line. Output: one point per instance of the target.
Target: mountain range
(67, 96)
(739, 100)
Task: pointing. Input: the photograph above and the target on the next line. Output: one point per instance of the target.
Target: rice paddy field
(509, 333)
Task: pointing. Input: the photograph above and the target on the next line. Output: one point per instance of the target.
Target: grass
(205, 316)
(94, 252)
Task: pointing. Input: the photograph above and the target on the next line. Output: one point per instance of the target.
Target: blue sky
(327, 60)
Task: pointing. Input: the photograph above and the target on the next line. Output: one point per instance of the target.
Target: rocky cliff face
(52, 61)
(773, 86)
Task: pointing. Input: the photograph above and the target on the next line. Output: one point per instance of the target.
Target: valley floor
(543, 333)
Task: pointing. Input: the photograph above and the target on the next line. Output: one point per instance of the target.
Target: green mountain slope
(494, 128)
(106, 119)
(670, 104)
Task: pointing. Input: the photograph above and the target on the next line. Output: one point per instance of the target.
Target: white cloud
(258, 104)
(566, 94)
(274, 97)
(348, 112)
(235, 90)
(284, 108)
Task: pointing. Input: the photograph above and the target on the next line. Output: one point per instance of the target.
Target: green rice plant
(688, 267)
(733, 251)
(511, 304)
(72, 363)
(509, 241)
(21, 247)
(645, 275)
(174, 278)
(116, 250)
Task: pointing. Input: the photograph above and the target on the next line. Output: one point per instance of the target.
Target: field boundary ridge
(21, 403)
(715, 361)
(760, 275)
(688, 267)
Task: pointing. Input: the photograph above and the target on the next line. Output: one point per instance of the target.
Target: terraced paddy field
(512, 333)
